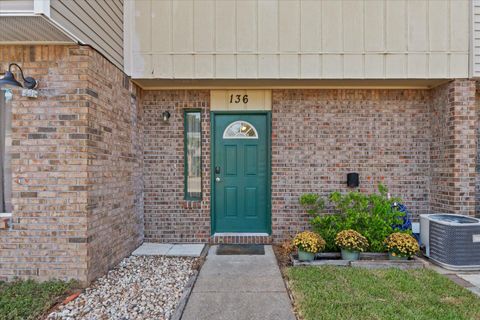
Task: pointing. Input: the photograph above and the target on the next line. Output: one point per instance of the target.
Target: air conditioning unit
(451, 240)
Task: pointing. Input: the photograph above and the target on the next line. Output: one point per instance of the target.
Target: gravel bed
(140, 287)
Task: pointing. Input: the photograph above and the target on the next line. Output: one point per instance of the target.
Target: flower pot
(396, 257)
(305, 256)
(350, 255)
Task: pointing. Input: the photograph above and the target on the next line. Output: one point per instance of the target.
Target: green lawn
(30, 299)
(354, 293)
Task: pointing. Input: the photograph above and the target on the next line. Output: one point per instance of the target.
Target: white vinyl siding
(97, 23)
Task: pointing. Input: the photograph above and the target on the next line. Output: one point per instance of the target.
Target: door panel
(251, 160)
(240, 193)
(231, 207)
(231, 160)
(251, 194)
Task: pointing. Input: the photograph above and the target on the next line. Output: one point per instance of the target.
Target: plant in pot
(401, 246)
(351, 244)
(308, 243)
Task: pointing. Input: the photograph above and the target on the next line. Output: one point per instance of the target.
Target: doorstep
(241, 238)
(169, 249)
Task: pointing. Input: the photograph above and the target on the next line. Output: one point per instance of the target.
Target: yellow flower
(351, 240)
(401, 244)
(309, 241)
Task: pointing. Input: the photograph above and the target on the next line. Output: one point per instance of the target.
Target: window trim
(185, 166)
(3, 106)
(5, 156)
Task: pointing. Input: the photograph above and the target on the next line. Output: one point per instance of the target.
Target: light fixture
(9, 79)
(165, 116)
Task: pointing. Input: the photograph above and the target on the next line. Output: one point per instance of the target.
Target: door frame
(268, 114)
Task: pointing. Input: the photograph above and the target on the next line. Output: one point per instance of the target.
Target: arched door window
(240, 130)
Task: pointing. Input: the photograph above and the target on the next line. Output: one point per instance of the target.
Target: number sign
(240, 100)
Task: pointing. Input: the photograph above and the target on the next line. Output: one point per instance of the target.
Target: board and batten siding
(297, 39)
(475, 40)
(97, 23)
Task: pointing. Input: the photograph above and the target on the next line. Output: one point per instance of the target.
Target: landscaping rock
(140, 287)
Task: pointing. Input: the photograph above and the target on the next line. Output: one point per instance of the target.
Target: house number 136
(237, 98)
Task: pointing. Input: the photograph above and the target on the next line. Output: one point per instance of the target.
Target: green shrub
(312, 203)
(327, 226)
(371, 215)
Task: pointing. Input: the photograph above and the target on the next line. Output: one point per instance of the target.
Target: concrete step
(241, 238)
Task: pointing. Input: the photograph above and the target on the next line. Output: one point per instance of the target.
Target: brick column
(453, 148)
(76, 150)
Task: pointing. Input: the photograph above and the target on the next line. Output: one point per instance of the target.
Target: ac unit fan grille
(454, 245)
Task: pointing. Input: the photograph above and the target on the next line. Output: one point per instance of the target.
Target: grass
(30, 299)
(354, 293)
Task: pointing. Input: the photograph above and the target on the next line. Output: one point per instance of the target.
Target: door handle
(217, 179)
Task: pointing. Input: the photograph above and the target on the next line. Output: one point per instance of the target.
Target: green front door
(240, 173)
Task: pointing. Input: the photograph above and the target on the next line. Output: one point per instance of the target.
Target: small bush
(372, 215)
(312, 203)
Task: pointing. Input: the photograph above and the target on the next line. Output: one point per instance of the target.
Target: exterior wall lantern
(165, 116)
(353, 180)
(9, 79)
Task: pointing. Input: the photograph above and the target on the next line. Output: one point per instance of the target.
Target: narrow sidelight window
(5, 165)
(193, 156)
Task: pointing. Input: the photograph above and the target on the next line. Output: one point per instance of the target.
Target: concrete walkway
(169, 250)
(238, 287)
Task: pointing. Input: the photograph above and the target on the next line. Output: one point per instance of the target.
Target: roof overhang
(164, 84)
(31, 29)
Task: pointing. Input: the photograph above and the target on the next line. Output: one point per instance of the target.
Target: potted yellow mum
(351, 244)
(308, 243)
(401, 246)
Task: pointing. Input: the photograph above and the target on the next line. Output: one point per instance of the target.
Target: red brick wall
(419, 143)
(321, 135)
(453, 148)
(76, 210)
(115, 153)
(168, 217)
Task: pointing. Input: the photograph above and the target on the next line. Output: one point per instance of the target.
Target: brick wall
(115, 164)
(168, 217)
(419, 143)
(61, 146)
(453, 148)
(92, 166)
(321, 135)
